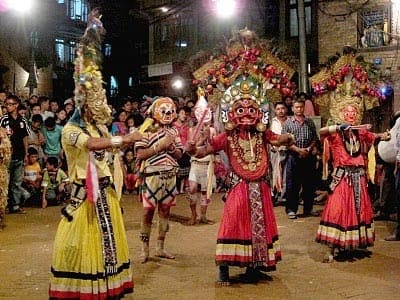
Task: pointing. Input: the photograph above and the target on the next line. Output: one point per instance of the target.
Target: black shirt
(16, 130)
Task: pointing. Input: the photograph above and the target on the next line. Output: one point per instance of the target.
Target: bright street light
(20, 6)
(225, 8)
(177, 83)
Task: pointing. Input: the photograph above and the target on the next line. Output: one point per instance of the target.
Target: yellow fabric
(371, 164)
(74, 143)
(325, 159)
(210, 177)
(118, 175)
(78, 249)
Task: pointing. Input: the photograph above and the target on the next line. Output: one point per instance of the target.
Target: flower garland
(246, 61)
(361, 85)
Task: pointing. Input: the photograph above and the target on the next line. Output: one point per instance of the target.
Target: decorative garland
(334, 78)
(252, 59)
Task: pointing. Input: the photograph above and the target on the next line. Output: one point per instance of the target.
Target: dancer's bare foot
(144, 258)
(191, 221)
(44, 203)
(206, 221)
(164, 254)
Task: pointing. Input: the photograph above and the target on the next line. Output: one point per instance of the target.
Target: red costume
(248, 234)
(347, 219)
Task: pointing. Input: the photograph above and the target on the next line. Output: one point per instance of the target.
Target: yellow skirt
(78, 269)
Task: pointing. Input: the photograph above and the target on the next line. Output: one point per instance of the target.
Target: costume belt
(202, 163)
(78, 196)
(352, 175)
(164, 174)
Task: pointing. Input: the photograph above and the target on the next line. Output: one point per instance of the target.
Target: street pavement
(26, 245)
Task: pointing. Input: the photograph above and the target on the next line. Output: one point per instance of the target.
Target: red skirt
(248, 234)
(341, 226)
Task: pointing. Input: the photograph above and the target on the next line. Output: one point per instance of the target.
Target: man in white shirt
(278, 155)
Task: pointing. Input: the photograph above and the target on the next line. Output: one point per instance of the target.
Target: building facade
(372, 28)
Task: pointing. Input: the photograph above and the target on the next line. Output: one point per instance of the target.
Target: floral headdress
(88, 78)
(345, 80)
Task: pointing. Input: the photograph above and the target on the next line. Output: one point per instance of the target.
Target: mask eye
(240, 110)
(252, 110)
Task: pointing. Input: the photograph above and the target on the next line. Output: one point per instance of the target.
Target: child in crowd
(56, 185)
(52, 135)
(36, 138)
(129, 171)
(221, 173)
(133, 122)
(61, 117)
(32, 176)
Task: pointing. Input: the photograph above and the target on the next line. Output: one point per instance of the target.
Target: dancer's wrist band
(116, 141)
(332, 129)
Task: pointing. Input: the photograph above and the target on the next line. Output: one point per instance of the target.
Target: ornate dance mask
(164, 110)
(242, 105)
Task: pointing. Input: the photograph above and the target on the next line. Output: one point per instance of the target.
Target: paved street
(26, 243)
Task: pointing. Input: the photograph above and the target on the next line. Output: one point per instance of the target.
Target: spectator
(3, 96)
(52, 134)
(119, 127)
(55, 183)
(181, 124)
(35, 110)
(135, 107)
(54, 106)
(69, 106)
(33, 176)
(288, 101)
(44, 103)
(301, 163)
(61, 117)
(17, 129)
(133, 122)
(279, 155)
(33, 99)
(36, 138)
(129, 171)
(22, 111)
(308, 104)
(127, 106)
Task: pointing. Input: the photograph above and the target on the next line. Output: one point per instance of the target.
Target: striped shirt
(162, 158)
(304, 134)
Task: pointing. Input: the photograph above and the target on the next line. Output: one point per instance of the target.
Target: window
(78, 10)
(113, 86)
(175, 31)
(293, 20)
(65, 51)
(374, 26)
(130, 81)
(107, 50)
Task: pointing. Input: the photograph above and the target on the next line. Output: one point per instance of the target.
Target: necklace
(351, 143)
(247, 152)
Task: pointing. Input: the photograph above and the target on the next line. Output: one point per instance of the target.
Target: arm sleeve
(74, 136)
(218, 142)
(270, 136)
